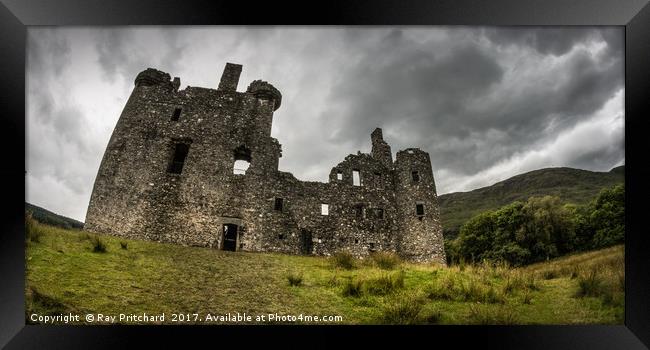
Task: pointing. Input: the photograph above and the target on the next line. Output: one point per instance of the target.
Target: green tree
(548, 229)
(476, 237)
(607, 217)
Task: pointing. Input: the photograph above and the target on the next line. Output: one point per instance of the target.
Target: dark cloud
(549, 40)
(126, 52)
(403, 81)
(429, 95)
(50, 54)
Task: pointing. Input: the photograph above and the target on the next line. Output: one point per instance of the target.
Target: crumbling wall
(146, 189)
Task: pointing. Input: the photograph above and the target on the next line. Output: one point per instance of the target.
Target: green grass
(64, 275)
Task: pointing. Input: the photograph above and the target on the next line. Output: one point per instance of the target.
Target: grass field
(68, 271)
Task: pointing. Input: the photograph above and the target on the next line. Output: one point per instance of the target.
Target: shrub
(344, 260)
(98, 244)
(124, 245)
(352, 288)
(386, 260)
(294, 279)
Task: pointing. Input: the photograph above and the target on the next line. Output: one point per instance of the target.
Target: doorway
(229, 237)
(306, 245)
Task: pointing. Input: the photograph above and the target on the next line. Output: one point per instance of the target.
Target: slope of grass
(570, 185)
(64, 274)
(47, 217)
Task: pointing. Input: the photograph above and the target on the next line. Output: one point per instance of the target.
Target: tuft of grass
(344, 260)
(385, 284)
(531, 283)
(98, 244)
(124, 245)
(605, 284)
(514, 282)
(491, 316)
(550, 274)
(466, 289)
(433, 317)
(386, 260)
(294, 279)
(33, 230)
(590, 285)
(403, 311)
(333, 281)
(352, 288)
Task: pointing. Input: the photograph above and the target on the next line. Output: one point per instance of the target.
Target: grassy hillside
(47, 217)
(571, 185)
(64, 273)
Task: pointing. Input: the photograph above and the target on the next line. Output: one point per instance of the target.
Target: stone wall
(145, 188)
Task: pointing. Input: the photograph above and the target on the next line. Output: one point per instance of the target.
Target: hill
(47, 217)
(571, 185)
(64, 273)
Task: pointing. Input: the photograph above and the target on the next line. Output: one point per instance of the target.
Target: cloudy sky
(486, 103)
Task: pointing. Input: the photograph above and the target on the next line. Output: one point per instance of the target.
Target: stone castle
(199, 167)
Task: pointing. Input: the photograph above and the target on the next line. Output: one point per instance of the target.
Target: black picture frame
(16, 15)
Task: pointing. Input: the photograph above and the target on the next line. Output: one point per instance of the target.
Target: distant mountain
(47, 217)
(571, 185)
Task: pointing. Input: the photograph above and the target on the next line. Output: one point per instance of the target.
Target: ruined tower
(199, 167)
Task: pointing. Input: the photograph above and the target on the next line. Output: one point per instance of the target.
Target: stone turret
(420, 237)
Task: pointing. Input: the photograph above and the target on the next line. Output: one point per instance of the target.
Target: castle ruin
(199, 167)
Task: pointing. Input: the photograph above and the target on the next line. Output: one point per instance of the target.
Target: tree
(476, 237)
(607, 217)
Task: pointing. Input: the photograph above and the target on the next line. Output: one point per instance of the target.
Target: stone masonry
(199, 167)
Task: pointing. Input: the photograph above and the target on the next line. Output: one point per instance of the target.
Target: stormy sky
(487, 103)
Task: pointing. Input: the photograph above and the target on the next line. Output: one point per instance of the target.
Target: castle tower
(135, 145)
(419, 233)
(381, 149)
(180, 163)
